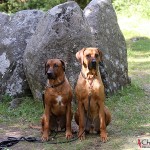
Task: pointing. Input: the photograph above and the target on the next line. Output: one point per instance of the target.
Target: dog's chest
(59, 101)
(93, 86)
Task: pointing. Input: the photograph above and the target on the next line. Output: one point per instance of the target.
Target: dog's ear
(101, 55)
(45, 68)
(63, 64)
(79, 55)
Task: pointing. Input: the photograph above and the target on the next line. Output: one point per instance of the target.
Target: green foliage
(12, 6)
(83, 3)
(3, 7)
(128, 7)
(132, 7)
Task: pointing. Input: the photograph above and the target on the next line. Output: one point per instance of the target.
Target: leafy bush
(3, 7)
(127, 7)
(12, 6)
(130, 7)
(83, 3)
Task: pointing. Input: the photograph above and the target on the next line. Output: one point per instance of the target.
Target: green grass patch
(134, 26)
(140, 44)
(130, 109)
(29, 111)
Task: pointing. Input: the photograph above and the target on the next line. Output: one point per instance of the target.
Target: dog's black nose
(50, 75)
(93, 63)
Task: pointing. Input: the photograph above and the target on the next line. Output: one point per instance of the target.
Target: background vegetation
(12, 6)
(128, 7)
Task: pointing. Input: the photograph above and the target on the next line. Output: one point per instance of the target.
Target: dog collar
(55, 85)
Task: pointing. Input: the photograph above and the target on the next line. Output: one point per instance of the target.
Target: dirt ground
(23, 130)
(117, 139)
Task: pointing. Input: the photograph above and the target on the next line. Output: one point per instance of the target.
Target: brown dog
(91, 115)
(57, 100)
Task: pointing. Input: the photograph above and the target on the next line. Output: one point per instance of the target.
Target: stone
(108, 37)
(15, 31)
(30, 37)
(60, 34)
(15, 103)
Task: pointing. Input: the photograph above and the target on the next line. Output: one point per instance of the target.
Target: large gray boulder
(15, 31)
(60, 34)
(109, 38)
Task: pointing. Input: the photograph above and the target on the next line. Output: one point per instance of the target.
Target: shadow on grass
(139, 44)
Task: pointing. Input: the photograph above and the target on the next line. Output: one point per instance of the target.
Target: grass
(130, 111)
(27, 111)
(129, 107)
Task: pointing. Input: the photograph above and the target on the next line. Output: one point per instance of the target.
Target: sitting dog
(91, 115)
(57, 100)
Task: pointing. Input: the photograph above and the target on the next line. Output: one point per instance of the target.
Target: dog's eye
(88, 56)
(55, 65)
(96, 55)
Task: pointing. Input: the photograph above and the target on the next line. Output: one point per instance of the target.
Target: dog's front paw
(45, 137)
(103, 137)
(81, 135)
(68, 135)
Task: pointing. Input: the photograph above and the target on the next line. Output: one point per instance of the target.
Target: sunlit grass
(134, 26)
(137, 34)
(130, 107)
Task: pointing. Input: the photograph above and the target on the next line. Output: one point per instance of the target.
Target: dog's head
(89, 57)
(54, 68)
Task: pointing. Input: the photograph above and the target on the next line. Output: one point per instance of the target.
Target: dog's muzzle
(92, 65)
(50, 75)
